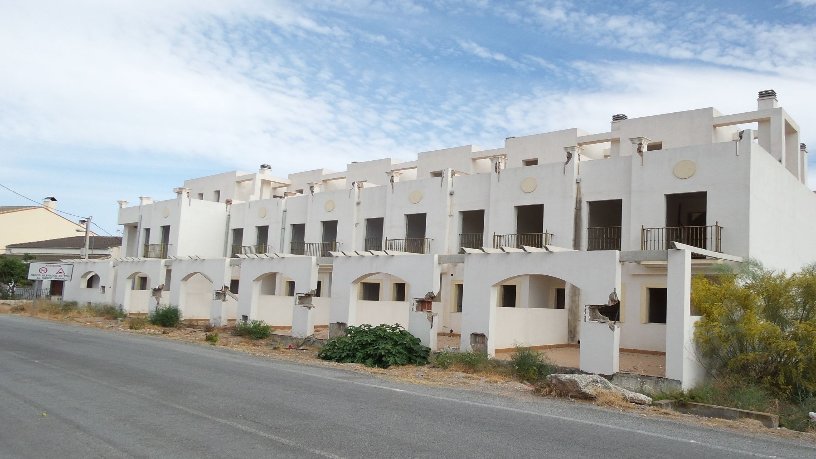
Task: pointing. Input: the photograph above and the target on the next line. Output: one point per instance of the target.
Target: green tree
(12, 271)
(760, 325)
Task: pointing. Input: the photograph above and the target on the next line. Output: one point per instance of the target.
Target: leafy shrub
(529, 365)
(211, 338)
(255, 329)
(761, 323)
(376, 346)
(165, 316)
(137, 323)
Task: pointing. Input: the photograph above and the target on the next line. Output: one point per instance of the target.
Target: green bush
(165, 316)
(137, 323)
(376, 346)
(529, 365)
(760, 323)
(255, 329)
(211, 338)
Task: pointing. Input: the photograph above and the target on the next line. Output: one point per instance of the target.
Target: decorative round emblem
(529, 185)
(262, 212)
(329, 205)
(165, 212)
(685, 169)
(415, 197)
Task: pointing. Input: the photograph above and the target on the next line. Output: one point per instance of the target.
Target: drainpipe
(227, 253)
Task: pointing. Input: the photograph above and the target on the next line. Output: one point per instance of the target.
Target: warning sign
(50, 271)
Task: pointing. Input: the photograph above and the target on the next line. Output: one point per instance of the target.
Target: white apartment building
(510, 244)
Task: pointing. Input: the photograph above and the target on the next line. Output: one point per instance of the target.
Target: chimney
(181, 192)
(803, 148)
(50, 203)
(265, 168)
(145, 200)
(616, 119)
(122, 204)
(767, 99)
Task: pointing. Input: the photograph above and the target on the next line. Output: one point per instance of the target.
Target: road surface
(69, 391)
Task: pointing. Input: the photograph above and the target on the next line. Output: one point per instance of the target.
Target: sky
(107, 100)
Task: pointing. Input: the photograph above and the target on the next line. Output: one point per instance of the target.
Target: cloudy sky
(106, 100)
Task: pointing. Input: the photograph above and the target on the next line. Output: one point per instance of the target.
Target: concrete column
(218, 313)
(425, 326)
(302, 321)
(600, 348)
(479, 316)
(681, 356)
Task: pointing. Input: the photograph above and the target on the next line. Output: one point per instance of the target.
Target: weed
(376, 346)
(137, 323)
(17, 308)
(468, 362)
(529, 365)
(107, 311)
(211, 338)
(209, 328)
(165, 316)
(255, 329)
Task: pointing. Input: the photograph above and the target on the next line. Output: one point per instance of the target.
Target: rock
(587, 387)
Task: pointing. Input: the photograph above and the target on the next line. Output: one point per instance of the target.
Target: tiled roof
(73, 242)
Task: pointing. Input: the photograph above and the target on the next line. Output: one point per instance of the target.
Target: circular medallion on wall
(165, 212)
(685, 169)
(415, 197)
(329, 205)
(529, 185)
(262, 212)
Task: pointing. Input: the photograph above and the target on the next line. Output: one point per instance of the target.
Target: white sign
(50, 271)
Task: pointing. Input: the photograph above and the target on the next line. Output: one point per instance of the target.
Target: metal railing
(604, 238)
(155, 250)
(249, 249)
(703, 237)
(519, 239)
(313, 249)
(373, 243)
(471, 240)
(411, 245)
(23, 293)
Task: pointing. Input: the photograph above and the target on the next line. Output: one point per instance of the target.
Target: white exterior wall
(77, 290)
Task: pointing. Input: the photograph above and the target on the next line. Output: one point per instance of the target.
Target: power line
(55, 210)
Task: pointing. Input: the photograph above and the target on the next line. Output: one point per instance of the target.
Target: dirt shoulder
(285, 348)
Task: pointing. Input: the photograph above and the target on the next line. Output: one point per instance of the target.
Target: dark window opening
(399, 291)
(290, 288)
(508, 296)
(530, 162)
(560, 298)
(652, 146)
(459, 291)
(370, 291)
(92, 282)
(319, 288)
(140, 283)
(233, 287)
(657, 305)
(168, 275)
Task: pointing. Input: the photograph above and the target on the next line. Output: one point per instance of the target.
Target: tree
(12, 271)
(760, 324)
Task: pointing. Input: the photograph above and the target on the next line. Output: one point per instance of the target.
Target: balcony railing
(411, 245)
(155, 250)
(471, 240)
(249, 249)
(604, 238)
(520, 239)
(313, 249)
(373, 243)
(703, 237)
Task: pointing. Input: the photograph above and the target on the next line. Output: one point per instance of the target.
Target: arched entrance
(381, 298)
(137, 293)
(196, 296)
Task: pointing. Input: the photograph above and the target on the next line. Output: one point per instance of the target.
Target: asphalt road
(69, 391)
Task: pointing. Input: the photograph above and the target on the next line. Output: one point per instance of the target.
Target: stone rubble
(588, 386)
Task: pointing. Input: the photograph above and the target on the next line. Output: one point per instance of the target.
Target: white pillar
(681, 356)
(600, 348)
(302, 321)
(425, 326)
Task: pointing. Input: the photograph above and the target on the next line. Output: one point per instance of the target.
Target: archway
(381, 298)
(530, 311)
(137, 293)
(196, 296)
(273, 296)
(90, 280)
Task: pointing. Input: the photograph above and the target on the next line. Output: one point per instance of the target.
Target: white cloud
(481, 52)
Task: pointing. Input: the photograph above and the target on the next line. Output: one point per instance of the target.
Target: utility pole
(87, 223)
